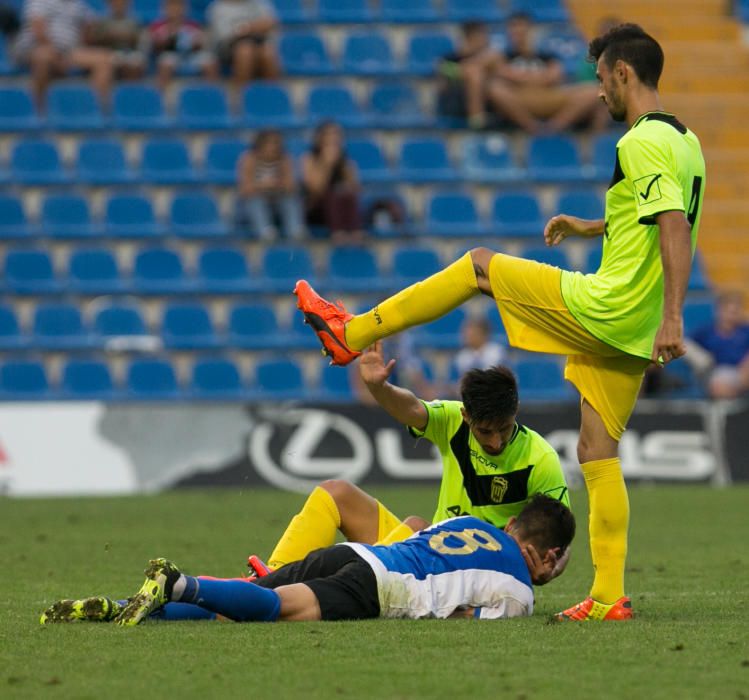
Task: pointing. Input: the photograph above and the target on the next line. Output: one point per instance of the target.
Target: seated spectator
(175, 40)
(121, 33)
(478, 350)
(51, 43)
(528, 87)
(9, 20)
(242, 31)
(267, 189)
(331, 185)
(720, 350)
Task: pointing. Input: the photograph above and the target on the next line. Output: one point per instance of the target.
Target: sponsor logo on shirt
(648, 189)
(499, 488)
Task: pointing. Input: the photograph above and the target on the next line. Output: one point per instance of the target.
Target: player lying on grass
(610, 324)
(492, 466)
(459, 567)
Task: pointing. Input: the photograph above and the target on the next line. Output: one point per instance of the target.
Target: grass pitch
(687, 575)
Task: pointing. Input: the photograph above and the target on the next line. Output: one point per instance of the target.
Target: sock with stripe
(241, 601)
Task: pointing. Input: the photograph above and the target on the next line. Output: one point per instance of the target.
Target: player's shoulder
(534, 438)
(655, 128)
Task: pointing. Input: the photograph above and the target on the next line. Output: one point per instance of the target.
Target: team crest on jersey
(499, 488)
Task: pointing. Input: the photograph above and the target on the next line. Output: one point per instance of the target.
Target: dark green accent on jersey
(663, 117)
(618, 175)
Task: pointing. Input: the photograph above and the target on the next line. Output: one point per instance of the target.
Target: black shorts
(343, 583)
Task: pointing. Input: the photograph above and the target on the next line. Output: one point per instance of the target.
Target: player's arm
(676, 256)
(564, 226)
(400, 403)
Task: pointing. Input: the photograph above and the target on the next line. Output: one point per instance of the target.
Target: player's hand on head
(372, 365)
(669, 342)
(541, 570)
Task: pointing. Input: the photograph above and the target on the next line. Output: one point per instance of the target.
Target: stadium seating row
(421, 161)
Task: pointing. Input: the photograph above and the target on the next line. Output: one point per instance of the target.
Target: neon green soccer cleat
(95, 609)
(161, 575)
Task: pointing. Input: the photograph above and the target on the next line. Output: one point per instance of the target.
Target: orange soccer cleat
(591, 609)
(257, 568)
(328, 321)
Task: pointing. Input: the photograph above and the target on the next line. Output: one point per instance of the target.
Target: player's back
(458, 563)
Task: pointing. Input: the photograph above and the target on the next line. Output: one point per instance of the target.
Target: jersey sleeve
(547, 478)
(509, 608)
(649, 166)
(443, 418)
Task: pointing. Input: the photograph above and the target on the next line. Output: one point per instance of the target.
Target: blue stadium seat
(17, 112)
(188, 326)
(131, 216)
(550, 256)
(216, 379)
(425, 51)
(139, 108)
(150, 379)
(698, 281)
(59, 326)
(36, 162)
(120, 319)
(414, 264)
(697, 314)
(300, 336)
(73, 108)
(88, 380)
(593, 259)
(542, 380)
(278, 380)
(334, 102)
(293, 12)
(146, 11)
(66, 216)
(517, 214)
(159, 271)
(411, 12)
(268, 105)
(30, 272)
(166, 162)
(555, 159)
(368, 54)
(221, 158)
(254, 327)
(282, 266)
(425, 160)
(334, 385)
(224, 271)
(23, 380)
(375, 208)
(304, 53)
(395, 106)
(204, 107)
(94, 271)
(543, 11)
(13, 221)
(442, 334)
(604, 155)
(489, 159)
(11, 336)
(102, 162)
(679, 381)
(585, 203)
(369, 159)
(352, 269)
(451, 214)
(345, 11)
(196, 215)
(473, 10)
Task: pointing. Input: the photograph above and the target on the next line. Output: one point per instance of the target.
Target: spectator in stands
(51, 42)
(120, 32)
(242, 32)
(721, 349)
(9, 20)
(331, 185)
(175, 40)
(527, 87)
(479, 351)
(268, 189)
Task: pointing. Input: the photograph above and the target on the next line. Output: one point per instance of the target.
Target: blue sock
(182, 611)
(241, 601)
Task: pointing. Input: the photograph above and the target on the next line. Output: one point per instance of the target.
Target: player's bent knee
(416, 523)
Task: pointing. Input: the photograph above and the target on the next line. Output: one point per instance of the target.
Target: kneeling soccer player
(460, 567)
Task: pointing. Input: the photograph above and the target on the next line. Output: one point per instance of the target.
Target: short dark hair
(472, 27)
(546, 524)
(489, 395)
(633, 45)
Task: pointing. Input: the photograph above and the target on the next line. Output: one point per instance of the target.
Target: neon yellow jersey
(490, 487)
(659, 167)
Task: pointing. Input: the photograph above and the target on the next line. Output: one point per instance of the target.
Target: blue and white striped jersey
(455, 564)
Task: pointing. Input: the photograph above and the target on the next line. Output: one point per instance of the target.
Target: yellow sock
(313, 527)
(397, 534)
(609, 520)
(420, 303)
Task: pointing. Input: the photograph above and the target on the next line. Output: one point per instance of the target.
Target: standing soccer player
(610, 324)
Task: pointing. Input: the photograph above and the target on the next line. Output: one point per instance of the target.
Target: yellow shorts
(387, 522)
(529, 298)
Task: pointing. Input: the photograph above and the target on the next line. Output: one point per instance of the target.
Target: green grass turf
(687, 575)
